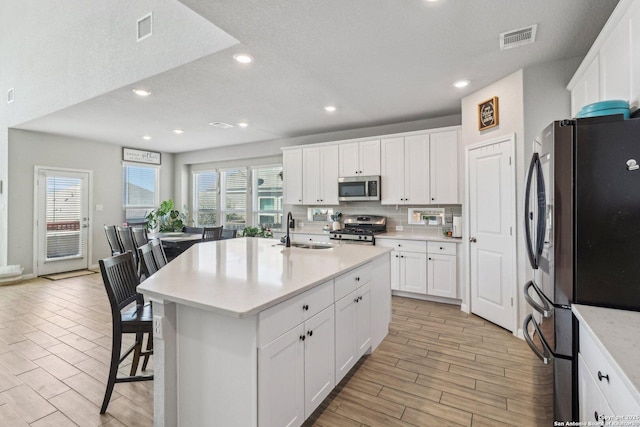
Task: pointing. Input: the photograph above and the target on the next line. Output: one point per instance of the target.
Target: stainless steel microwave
(358, 188)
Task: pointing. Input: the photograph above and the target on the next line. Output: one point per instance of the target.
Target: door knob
(472, 239)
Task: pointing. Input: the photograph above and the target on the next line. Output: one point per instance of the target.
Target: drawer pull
(600, 376)
(595, 414)
(441, 248)
(305, 307)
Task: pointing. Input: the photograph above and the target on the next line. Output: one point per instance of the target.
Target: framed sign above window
(488, 113)
(140, 156)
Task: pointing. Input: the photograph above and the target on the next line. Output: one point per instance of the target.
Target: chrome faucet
(287, 241)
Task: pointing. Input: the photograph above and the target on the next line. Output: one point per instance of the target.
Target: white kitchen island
(248, 332)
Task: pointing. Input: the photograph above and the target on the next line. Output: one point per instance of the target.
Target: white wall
(528, 101)
(28, 149)
(57, 54)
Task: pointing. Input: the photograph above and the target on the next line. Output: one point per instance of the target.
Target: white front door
(62, 221)
(492, 251)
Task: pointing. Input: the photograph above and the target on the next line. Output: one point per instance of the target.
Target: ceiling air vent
(145, 26)
(518, 37)
(221, 125)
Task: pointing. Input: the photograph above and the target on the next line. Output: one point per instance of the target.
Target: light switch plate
(399, 228)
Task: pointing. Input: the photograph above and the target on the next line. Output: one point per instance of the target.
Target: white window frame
(194, 196)
(223, 196)
(255, 199)
(156, 195)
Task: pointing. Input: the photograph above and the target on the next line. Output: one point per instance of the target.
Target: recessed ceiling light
(178, 131)
(243, 58)
(330, 108)
(142, 92)
(243, 124)
(461, 83)
(431, 1)
(146, 137)
(221, 125)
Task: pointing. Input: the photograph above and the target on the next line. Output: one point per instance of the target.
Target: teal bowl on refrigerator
(605, 108)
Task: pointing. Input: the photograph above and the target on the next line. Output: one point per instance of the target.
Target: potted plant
(166, 218)
(257, 232)
(335, 217)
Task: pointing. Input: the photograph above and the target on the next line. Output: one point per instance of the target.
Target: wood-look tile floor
(437, 367)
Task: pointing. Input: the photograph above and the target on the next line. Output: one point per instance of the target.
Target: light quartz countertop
(241, 277)
(616, 332)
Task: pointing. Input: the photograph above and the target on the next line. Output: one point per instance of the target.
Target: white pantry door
(62, 220)
(492, 250)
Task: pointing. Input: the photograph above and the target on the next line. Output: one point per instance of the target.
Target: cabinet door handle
(305, 307)
(301, 337)
(355, 300)
(396, 256)
(441, 248)
(357, 279)
(429, 259)
(309, 333)
(600, 376)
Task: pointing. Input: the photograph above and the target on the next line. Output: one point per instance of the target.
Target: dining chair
(192, 230)
(139, 236)
(158, 253)
(211, 233)
(137, 224)
(229, 234)
(148, 264)
(120, 282)
(112, 239)
(126, 240)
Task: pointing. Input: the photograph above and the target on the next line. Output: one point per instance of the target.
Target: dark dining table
(176, 242)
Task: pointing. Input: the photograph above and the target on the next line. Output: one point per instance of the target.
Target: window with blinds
(205, 196)
(63, 211)
(233, 200)
(267, 196)
(139, 192)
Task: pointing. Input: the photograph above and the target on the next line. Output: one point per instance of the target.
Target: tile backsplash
(396, 216)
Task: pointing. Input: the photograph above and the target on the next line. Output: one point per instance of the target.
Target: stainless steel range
(360, 228)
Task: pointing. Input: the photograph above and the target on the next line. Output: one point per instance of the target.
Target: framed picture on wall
(488, 113)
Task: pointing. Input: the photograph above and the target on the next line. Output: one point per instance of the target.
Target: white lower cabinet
(408, 264)
(319, 366)
(308, 343)
(593, 404)
(296, 371)
(441, 268)
(353, 329)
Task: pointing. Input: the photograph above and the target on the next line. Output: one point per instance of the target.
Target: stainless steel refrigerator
(582, 226)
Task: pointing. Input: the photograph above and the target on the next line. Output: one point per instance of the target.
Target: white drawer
(352, 280)
(593, 405)
(600, 367)
(444, 248)
(278, 319)
(403, 245)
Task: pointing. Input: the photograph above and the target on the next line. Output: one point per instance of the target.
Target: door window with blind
(233, 198)
(139, 192)
(205, 198)
(62, 214)
(267, 196)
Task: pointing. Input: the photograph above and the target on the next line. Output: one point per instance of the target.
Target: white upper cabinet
(292, 176)
(443, 157)
(320, 175)
(405, 170)
(392, 171)
(615, 78)
(611, 69)
(416, 163)
(359, 158)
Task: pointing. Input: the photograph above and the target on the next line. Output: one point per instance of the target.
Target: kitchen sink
(310, 245)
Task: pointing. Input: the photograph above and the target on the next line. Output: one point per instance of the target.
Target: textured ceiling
(377, 61)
